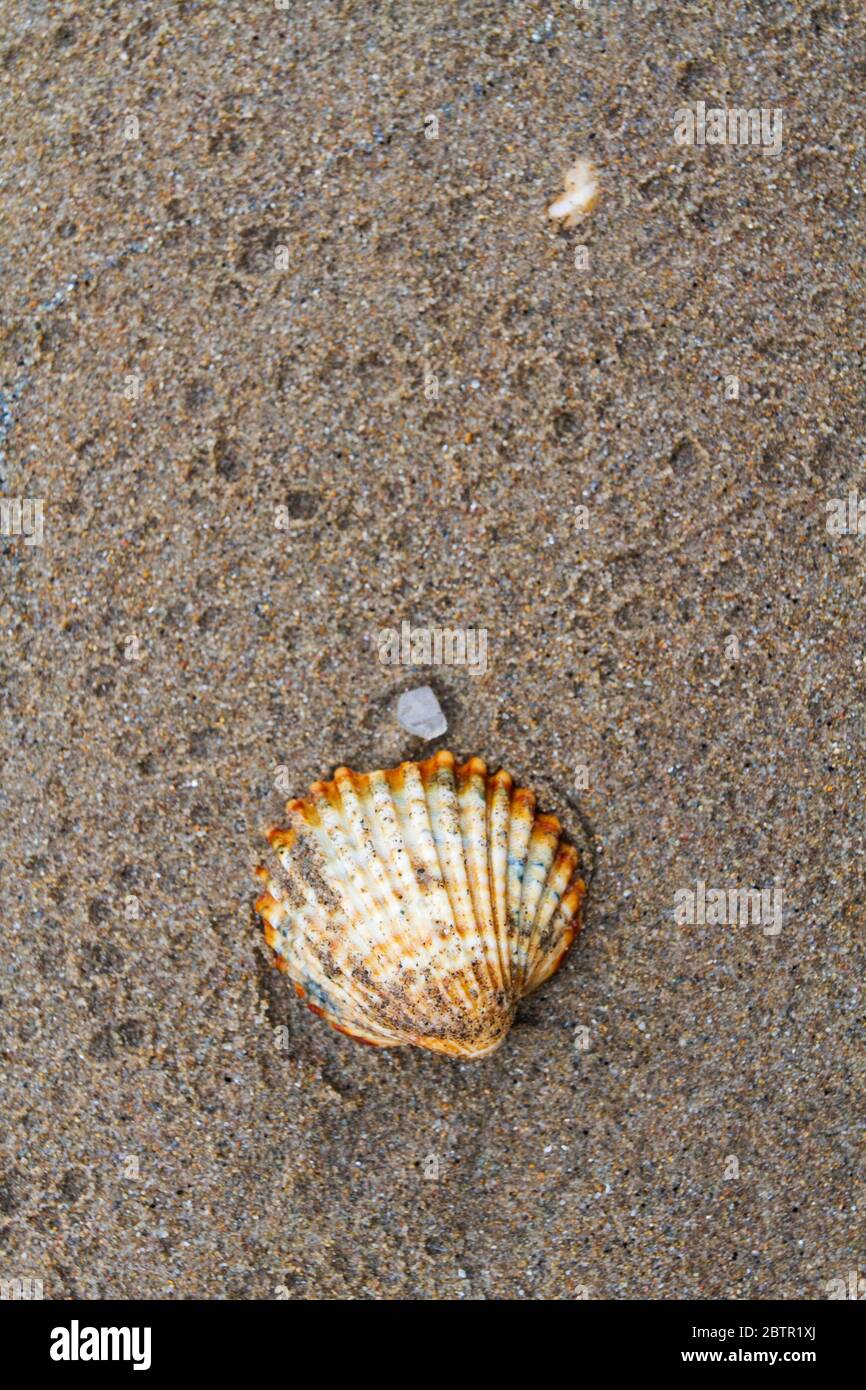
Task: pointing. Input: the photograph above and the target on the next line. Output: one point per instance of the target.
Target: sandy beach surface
(290, 354)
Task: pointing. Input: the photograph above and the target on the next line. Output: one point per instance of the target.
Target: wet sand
(239, 276)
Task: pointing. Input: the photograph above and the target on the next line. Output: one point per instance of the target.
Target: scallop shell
(421, 904)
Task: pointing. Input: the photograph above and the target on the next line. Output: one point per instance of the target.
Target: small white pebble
(420, 713)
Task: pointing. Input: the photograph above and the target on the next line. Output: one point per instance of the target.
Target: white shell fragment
(580, 197)
(420, 713)
(419, 905)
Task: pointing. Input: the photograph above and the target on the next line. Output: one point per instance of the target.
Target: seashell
(580, 197)
(421, 904)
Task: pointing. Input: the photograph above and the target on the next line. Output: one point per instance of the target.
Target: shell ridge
(566, 926)
(389, 811)
(540, 855)
(562, 871)
(374, 822)
(445, 818)
(300, 930)
(369, 944)
(363, 833)
(428, 884)
(472, 801)
(316, 941)
(520, 830)
(498, 820)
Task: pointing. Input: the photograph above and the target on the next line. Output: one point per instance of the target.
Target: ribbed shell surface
(419, 905)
